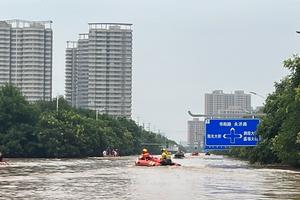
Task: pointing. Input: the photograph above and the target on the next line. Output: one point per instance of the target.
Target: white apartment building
(195, 134)
(70, 73)
(99, 69)
(26, 57)
(226, 105)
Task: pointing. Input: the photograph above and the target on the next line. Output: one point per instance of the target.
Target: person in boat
(145, 155)
(165, 157)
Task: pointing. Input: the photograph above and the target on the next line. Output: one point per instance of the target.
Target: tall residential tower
(195, 135)
(99, 69)
(228, 105)
(26, 57)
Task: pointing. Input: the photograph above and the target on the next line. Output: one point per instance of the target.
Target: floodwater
(201, 177)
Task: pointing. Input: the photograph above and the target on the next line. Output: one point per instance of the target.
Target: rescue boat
(179, 155)
(154, 161)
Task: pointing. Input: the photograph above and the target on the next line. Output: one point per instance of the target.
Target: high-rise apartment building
(228, 105)
(195, 134)
(26, 57)
(70, 73)
(99, 69)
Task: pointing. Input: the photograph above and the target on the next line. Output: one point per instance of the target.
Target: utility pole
(57, 103)
(149, 126)
(97, 112)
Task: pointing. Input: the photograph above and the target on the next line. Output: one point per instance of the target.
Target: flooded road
(202, 177)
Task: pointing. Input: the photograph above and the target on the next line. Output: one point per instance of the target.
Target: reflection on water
(210, 177)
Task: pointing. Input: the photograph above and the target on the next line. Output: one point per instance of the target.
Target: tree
(38, 130)
(285, 143)
(280, 128)
(17, 119)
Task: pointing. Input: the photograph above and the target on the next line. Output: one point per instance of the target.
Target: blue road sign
(231, 132)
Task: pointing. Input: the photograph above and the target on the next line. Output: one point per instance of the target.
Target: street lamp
(57, 96)
(258, 110)
(261, 96)
(97, 111)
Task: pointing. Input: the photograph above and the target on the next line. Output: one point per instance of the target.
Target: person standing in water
(1, 157)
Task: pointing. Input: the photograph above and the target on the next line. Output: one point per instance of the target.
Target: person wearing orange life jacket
(145, 155)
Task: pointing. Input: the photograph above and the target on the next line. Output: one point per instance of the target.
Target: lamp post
(57, 96)
(254, 93)
(149, 127)
(97, 111)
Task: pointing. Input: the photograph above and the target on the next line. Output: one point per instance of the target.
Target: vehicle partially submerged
(179, 154)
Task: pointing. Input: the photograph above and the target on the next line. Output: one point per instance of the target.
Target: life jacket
(145, 156)
(165, 155)
(168, 155)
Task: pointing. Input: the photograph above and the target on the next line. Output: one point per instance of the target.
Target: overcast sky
(181, 49)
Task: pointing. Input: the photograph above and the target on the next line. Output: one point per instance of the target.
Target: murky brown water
(210, 177)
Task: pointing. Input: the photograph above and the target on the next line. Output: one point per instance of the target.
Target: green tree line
(280, 128)
(38, 130)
